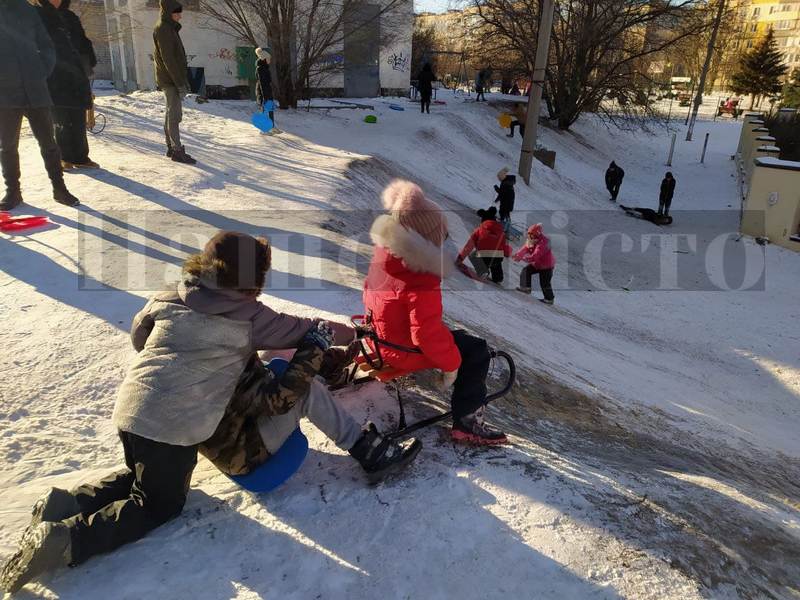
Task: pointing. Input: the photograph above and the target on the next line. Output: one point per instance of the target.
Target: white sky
(433, 5)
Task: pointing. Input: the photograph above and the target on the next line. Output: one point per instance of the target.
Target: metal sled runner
(369, 365)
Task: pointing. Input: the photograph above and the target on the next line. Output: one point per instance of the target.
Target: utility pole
(698, 99)
(537, 84)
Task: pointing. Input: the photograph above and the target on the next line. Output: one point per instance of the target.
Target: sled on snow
(279, 467)
(369, 365)
(9, 224)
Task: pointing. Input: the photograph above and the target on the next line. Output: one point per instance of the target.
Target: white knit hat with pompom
(408, 205)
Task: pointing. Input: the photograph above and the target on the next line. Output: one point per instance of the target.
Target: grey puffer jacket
(193, 345)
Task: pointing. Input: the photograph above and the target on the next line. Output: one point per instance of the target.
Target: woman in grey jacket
(196, 384)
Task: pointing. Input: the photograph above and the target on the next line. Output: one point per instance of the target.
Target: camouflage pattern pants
(244, 441)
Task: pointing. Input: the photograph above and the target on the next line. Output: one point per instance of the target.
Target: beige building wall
(772, 207)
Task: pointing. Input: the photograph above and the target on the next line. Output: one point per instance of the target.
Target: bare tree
(600, 49)
(306, 36)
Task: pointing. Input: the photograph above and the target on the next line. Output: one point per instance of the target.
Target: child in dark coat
(505, 196)
(264, 81)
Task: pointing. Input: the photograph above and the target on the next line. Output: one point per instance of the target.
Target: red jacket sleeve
(429, 333)
(468, 247)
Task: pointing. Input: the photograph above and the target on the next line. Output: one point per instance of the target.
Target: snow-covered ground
(655, 449)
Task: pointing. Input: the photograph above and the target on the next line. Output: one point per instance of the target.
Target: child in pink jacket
(536, 252)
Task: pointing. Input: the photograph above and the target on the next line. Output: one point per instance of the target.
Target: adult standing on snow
(403, 298)
(614, 176)
(27, 59)
(172, 76)
(70, 90)
(666, 193)
(425, 81)
(480, 85)
(77, 35)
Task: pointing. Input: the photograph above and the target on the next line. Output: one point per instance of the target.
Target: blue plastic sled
(285, 462)
(396, 107)
(261, 120)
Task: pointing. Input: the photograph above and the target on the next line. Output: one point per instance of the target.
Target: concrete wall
(772, 207)
(93, 19)
(215, 51)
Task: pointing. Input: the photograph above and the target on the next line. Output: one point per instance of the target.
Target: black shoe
(546, 301)
(11, 200)
(511, 135)
(380, 457)
(180, 156)
(62, 196)
(43, 548)
(472, 429)
(169, 152)
(56, 505)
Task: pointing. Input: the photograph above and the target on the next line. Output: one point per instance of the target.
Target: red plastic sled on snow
(9, 224)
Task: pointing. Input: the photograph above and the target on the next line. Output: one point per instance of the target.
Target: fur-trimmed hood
(417, 253)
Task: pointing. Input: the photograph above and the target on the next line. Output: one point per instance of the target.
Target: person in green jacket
(169, 58)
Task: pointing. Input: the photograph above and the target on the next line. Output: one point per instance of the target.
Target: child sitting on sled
(197, 384)
(539, 258)
(487, 246)
(403, 296)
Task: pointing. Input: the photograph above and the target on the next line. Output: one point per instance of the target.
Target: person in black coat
(667, 191)
(614, 176)
(425, 81)
(77, 35)
(264, 80)
(27, 58)
(70, 90)
(506, 197)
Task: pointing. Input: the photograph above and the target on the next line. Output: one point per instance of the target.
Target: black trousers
(495, 267)
(128, 504)
(469, 390)
(41, 123)
(545, 279)
(613, 189)
(71, 134)
(514, 125)
(425, 104)
(663, 206)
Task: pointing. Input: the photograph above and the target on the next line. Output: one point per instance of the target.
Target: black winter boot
(380, 456)
(62, 196)
(179, 155)
(472, 429)
(11, 200)
(56, 505)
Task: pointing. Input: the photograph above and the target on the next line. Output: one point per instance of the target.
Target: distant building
(221, 65)
(757, 17)
(93, 18)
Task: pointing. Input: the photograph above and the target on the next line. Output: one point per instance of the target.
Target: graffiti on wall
(398, 62)
(223, 54)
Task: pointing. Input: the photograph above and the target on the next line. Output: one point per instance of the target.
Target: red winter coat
(538, 255)
(488, 241)
(403, 296)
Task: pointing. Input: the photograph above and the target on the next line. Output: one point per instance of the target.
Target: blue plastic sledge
(396, 107)
(285, 462)
(261, 120)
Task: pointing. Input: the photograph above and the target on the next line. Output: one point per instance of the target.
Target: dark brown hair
(234, 261)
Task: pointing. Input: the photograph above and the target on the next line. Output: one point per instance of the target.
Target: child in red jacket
(536, 252)
(403, 296)
(487, 246)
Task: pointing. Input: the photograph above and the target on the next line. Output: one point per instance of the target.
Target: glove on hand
(321, 335)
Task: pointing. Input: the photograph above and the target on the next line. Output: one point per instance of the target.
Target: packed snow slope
(655, 451)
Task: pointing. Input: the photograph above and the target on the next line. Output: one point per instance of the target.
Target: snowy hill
(655, 450)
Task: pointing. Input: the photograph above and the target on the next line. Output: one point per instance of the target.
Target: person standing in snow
(77, 35)
(666, 193)
(520, 115)
(70, 90)
(539, 258)
(27, 58)
(264, 80)
(505, 196)
(614, 176)
(403, 301)
(425, 81)
(487, 246)
(172, 75)
(197, 384)
(480, 85)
